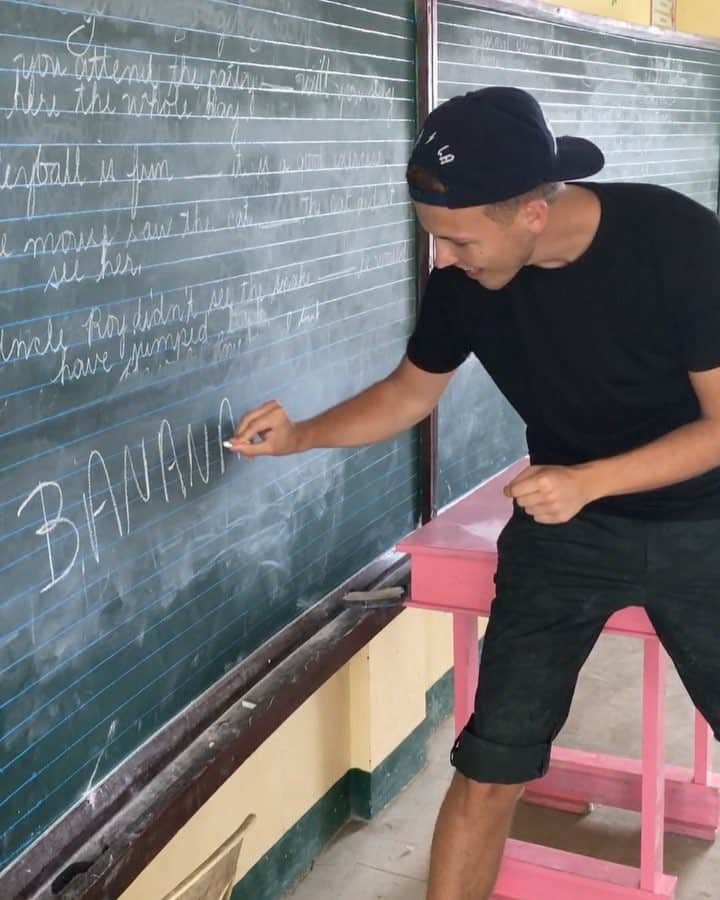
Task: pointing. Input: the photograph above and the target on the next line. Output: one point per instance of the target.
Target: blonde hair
(504, 212)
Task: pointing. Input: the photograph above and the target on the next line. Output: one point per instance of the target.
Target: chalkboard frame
(426, 92)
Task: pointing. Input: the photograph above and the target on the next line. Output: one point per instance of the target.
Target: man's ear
(535, 214)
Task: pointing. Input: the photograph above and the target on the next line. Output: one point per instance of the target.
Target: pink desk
(453, 560)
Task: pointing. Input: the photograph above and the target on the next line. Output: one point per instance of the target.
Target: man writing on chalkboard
(595, 308)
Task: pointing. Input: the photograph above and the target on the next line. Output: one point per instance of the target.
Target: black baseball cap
(492, 144)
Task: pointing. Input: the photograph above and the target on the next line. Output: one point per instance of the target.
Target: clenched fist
(550, 494)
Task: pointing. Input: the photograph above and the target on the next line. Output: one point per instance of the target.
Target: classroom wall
(637, 11)
(693, 16)
(699, 17)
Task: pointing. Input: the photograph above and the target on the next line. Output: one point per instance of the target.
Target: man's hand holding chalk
(265, 431)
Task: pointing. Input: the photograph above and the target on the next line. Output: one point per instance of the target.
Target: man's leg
(683, 604)
(556, 587)
(470, 834)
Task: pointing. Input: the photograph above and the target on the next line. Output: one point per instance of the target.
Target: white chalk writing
(55, 528)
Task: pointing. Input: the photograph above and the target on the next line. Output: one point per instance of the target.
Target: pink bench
(453, 560)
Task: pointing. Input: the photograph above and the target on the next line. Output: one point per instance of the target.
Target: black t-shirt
(595, 355)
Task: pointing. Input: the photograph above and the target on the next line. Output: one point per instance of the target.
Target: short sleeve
(439, 343)
(699, 297)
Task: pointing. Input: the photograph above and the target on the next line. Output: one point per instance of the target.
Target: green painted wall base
(357, 794)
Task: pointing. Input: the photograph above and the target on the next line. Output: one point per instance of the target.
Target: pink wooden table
(453, 560)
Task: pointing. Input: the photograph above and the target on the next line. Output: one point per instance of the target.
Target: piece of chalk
(228, 444)
(390, 596)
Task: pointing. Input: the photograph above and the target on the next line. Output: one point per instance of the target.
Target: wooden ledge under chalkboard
(101, 845)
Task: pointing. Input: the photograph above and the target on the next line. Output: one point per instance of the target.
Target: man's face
(490, 252)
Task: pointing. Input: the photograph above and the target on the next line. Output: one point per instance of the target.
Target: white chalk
(389, 596)
(228, 444)
(248, 704)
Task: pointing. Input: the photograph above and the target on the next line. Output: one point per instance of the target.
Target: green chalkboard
(202, 207)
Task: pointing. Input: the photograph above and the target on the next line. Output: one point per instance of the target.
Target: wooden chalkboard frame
(427, 92)
(157, 790)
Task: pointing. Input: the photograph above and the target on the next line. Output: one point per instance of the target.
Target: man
(596, 310)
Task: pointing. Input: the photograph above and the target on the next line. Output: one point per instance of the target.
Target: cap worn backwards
(493, 144)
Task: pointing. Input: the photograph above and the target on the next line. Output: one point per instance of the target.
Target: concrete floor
(387, 859)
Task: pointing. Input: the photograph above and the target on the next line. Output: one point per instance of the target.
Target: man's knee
(477, 796)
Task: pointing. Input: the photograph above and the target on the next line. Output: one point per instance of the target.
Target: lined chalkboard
(652, 107)
(203, 206)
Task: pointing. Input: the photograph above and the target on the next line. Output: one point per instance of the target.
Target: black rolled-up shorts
(556, 586)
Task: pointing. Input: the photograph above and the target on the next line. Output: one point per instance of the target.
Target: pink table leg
(653, 767)
(466, 657)
(703, 750)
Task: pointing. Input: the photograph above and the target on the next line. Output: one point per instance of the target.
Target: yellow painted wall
(693, 16)
(699, 17)
(284, 778)
(382, 699)
(637, 11)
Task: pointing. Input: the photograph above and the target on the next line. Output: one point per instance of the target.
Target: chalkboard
(653, 108)
(202, 207)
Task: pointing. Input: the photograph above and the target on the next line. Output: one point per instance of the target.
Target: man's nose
(443, 254)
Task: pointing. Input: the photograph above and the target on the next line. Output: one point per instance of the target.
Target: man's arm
(384, 409)
(676, 456)
(554, 494)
